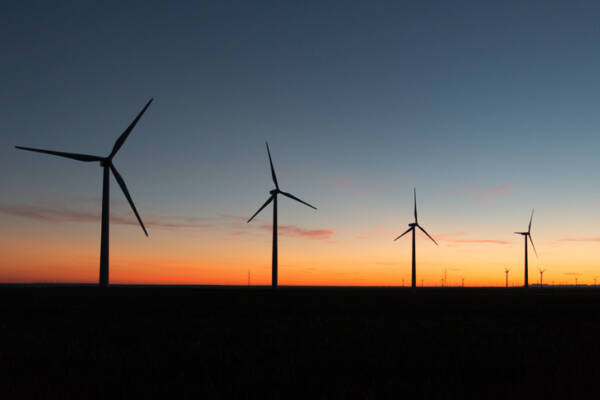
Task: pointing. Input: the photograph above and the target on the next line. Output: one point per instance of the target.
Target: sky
(488, 109)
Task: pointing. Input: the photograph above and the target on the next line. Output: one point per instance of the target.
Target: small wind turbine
(107, 165)
(412, 226)
(525, 236)
(445, 277)
(273, 198)
(542, 270)
(506, 271)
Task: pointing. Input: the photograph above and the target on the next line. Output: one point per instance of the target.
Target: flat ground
(83, 342)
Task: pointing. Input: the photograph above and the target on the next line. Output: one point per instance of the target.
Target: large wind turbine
(107, 165)
(525, 236)
(273, 198)
(412, 228)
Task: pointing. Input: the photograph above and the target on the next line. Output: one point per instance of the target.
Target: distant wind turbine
(506, 271)
(107, 165)
(412, 226)
(542, 270)
(273, 198)
(525, 236)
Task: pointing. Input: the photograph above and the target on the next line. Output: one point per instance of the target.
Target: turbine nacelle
(274, 192)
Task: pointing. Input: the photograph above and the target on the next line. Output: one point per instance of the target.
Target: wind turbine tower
(525, 236)
(506, 271)
(412, 226)
(542, 270)
(273, 198)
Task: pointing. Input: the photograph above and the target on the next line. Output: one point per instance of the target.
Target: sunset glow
(488, 111)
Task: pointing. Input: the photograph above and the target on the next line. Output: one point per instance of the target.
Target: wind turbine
(525, 236)
(412, 226)
(506, 271)
(273, 198)
(542, 270)
(107, 165)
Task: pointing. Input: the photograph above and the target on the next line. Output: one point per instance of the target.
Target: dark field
(83, 342)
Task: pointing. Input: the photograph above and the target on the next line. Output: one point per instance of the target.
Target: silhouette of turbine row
(108, 166)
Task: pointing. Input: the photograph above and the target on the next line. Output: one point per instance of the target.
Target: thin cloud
(359, 188)
(484, 194)
(293, 230)
(490, 241)
(340, 183)
(452, 238)
(237, 224)
(379, 188)
(501, 189)
(47, 214)
(584, 239)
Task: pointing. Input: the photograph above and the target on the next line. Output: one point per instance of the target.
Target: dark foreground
(298, 343)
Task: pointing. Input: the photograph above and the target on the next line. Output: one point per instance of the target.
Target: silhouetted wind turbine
(412, 228)
(542, 270)
(107, 165)
(525, 236)
(506, 271)
(273, 198)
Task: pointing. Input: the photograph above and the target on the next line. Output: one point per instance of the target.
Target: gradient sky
(489, 109)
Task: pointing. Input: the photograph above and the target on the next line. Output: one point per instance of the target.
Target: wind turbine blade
(530, 219)
(531, 240)
(405, 232)
(272, 169)
(270, 199)
(415, 198)
(121, 183)
(74, 156)
(127, 131)
(425, 232)
(297, 199)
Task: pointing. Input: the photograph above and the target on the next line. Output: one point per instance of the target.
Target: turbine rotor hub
(274, 191)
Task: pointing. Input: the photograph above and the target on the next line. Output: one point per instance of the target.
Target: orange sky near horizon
(35, 252)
